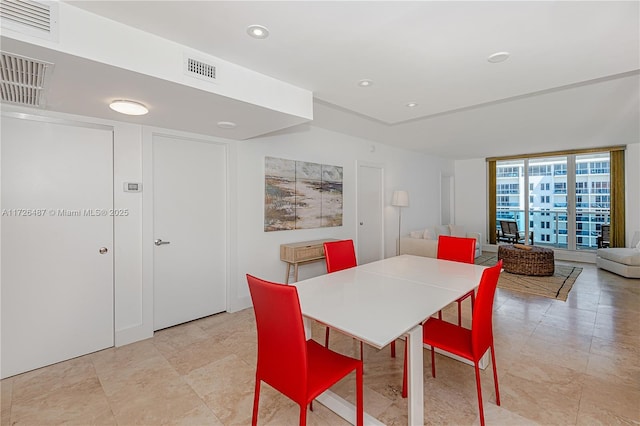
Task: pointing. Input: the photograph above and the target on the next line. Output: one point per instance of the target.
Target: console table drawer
(302, 252)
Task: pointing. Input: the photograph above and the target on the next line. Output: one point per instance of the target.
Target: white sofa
(621, 261)
(424, 242)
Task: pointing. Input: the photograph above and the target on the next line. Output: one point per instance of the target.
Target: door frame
(447, 188)
(381, 187)
(148, 134)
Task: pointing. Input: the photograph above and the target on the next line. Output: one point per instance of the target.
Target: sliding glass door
(548, 202)
(563, 200)
(592, 198)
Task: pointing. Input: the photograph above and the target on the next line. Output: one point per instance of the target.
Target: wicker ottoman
(537, 261)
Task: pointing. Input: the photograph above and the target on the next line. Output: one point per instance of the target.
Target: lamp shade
(400, 199)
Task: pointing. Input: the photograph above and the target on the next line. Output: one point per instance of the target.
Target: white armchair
(620, 260)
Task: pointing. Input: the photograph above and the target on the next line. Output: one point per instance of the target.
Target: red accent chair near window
(341, 255)
(458, 250)
(300, 369)
(468, 344)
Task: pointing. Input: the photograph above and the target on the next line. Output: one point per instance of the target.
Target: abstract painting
(301, 195)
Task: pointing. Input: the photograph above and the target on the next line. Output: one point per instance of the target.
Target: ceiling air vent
(30, 17)
(200, 69)
(23, 80)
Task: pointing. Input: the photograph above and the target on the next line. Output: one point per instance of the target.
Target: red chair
(468, 344)
(301, 369)
(341, 255)
(458, 250)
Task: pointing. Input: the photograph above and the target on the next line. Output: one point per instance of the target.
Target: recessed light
(365, 83)
(128, 107)
(411, 105)
(498, 57)
(226, 124)
(258, 31)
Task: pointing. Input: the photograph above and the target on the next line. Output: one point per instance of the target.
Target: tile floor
(559, 363)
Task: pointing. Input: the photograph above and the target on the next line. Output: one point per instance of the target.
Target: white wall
(258, 251)
(471, 196)
(130, 323)
(471, 192)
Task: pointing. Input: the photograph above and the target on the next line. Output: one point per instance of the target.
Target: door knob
(103, 250)
(159, 242)
(361, 223)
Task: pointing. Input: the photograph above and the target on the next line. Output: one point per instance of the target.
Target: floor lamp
(400, 200)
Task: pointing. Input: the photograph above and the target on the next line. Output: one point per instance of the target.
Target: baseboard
(132, 334)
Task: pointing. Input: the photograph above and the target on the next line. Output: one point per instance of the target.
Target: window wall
(536, 193)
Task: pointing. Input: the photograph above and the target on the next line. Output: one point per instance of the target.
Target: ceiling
(571, 80)
(85, 87)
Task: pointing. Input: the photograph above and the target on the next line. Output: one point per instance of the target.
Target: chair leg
(303, 414)
(479, 393)
(404, 372)
(440, 315)
(256, 401)
(495, 374)
(393, 349)
(361, 351)
(433, 361)
(359, 397)
(326, 338)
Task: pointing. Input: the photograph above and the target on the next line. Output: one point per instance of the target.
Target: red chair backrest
(282, 347)
(481, 324)
(340, 255)
(456, 248)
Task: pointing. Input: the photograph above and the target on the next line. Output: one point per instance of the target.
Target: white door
(370, 208)
(189, 217)
(57, 242)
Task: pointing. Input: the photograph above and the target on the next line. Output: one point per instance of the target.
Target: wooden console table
(300, 253)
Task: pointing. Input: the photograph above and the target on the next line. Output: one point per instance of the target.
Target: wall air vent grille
(200, 69)
(23, 80)
(26, 14)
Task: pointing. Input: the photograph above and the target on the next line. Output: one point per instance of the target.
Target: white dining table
(382, 301)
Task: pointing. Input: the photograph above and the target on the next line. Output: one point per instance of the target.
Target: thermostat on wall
(132, 187)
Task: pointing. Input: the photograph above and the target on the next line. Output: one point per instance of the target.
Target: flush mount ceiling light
(226, 124)
(258, 31)
(411, 105)
(128, 107)
(498, 57)
(365, 83)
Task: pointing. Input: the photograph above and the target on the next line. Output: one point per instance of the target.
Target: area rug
(556, 286)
